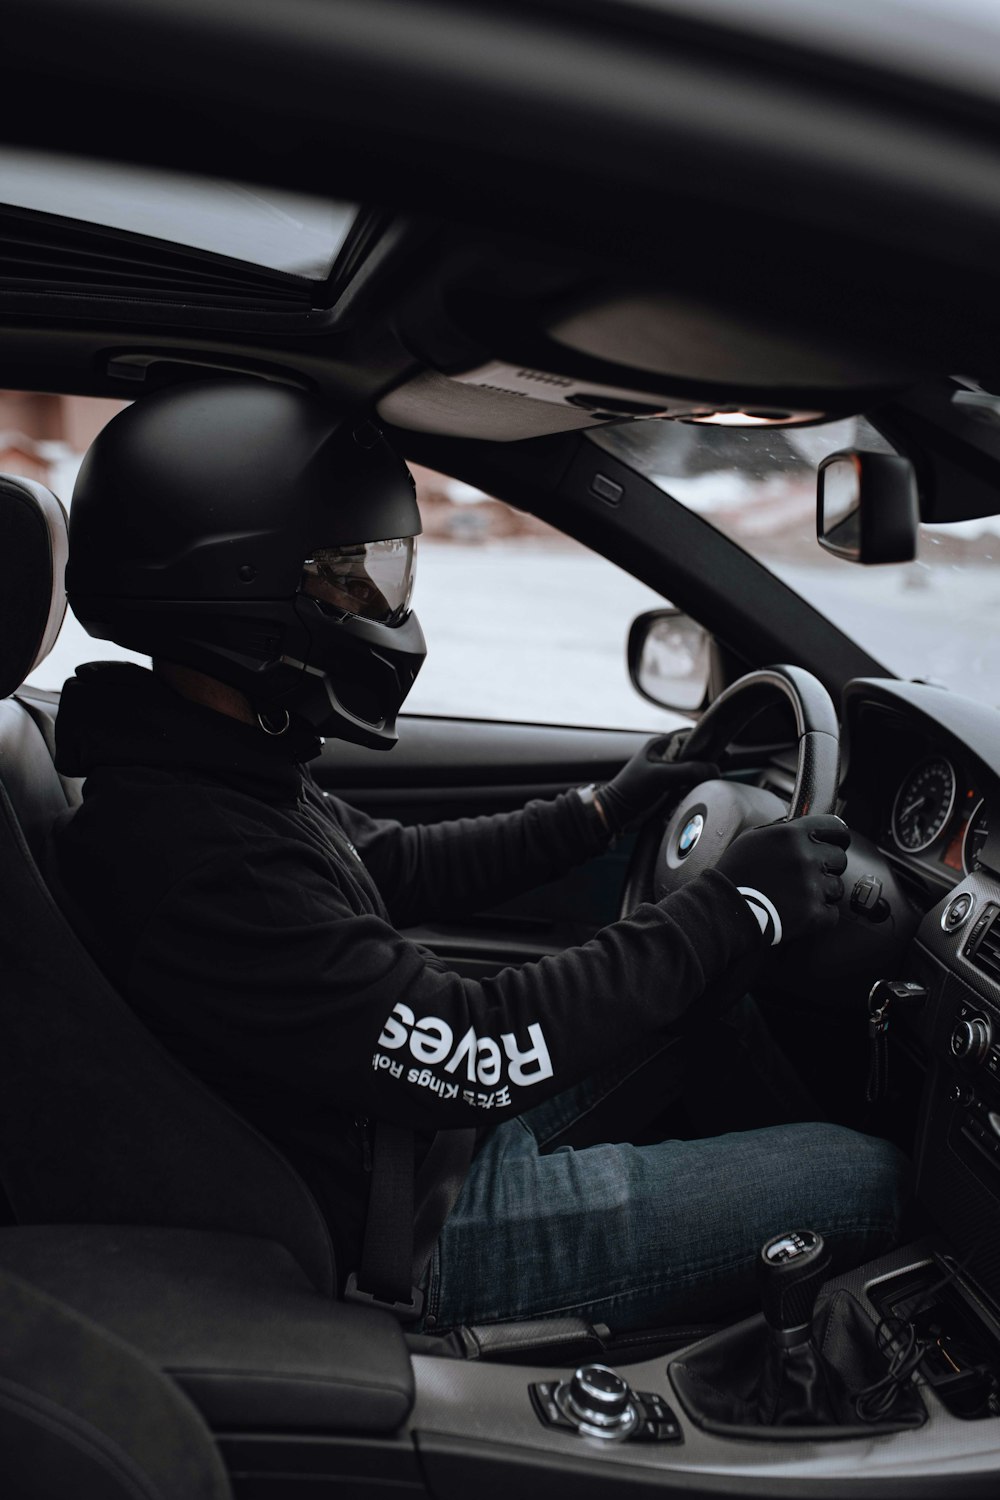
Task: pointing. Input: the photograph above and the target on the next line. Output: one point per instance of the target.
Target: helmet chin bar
(318, 703)
(346, 677)
(349, 659)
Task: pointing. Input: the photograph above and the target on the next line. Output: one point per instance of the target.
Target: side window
(522, 622)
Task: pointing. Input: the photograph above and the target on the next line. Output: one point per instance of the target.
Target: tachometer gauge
(923, 804)
(975, 836)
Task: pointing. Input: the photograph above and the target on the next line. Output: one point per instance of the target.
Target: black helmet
(238, 527)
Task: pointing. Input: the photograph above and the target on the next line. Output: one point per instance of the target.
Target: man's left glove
(646, 783)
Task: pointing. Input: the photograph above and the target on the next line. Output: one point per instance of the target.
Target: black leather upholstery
(28, 775)
(33, 549)
(98, 1124)
(83, 1414)
(741, 1383)
(234, 1320)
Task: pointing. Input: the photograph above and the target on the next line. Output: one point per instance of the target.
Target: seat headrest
(33, 549)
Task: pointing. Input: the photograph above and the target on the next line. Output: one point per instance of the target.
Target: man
(261, 552)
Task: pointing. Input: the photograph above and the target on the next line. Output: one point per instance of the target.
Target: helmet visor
(370, 579)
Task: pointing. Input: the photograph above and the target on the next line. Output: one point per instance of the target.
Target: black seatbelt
(439, 1183)
(405, 1216)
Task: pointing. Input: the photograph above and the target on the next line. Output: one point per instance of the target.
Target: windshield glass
(929, 619)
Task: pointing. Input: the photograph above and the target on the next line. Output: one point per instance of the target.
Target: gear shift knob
(791, 1268)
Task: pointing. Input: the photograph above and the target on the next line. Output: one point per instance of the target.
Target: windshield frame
(757, 486)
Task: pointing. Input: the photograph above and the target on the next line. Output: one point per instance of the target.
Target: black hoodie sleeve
(466, 864)
(295, 988)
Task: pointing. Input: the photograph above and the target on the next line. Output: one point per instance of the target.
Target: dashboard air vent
(984, 947)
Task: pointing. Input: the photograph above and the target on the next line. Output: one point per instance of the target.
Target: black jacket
(251, 921)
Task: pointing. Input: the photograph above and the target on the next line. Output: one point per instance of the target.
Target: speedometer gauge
(923, 804)
(975, 836)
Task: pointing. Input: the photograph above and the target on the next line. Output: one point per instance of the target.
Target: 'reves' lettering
(478, 1059)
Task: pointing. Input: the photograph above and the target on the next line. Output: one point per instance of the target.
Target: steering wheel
(713, 813)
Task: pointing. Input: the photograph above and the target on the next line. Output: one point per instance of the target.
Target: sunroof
(277, 231)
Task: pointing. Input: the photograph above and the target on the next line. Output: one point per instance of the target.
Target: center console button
(970, 1039)
(599, 1394)
(646, 1417)
(957, 912)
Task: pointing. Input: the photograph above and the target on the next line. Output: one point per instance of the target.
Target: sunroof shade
(277, 231)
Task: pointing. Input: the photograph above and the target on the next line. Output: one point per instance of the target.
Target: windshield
(930, 619)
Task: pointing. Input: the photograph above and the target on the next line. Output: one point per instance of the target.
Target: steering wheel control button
(614, 1412)
(867, 899)
(958, 912)
(866, 893)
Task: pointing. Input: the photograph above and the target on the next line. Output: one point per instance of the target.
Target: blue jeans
(651, 1235)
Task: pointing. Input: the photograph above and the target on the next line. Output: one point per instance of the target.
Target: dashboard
(916, 782)
(921, 792)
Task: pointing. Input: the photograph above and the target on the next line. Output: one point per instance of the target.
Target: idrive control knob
(970, 1040)
(599, 1402)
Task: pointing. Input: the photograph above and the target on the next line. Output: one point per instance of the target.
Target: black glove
(646, 783)
(789, 874)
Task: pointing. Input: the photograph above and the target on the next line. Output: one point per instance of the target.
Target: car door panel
(450, 768)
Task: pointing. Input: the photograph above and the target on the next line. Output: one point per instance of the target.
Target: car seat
(98, 1123)
(84, 1414)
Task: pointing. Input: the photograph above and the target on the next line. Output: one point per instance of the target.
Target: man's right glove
(789, 874)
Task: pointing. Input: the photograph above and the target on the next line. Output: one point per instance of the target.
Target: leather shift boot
(738, 1384)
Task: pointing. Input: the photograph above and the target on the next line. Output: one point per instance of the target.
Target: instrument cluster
(938, 816)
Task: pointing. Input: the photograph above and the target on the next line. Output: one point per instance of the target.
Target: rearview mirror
(867, 507)
(669, 659)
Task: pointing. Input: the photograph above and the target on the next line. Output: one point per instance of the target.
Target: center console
(958, 1157)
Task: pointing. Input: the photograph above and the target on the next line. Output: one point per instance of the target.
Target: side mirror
(867, 508)
(669, 659)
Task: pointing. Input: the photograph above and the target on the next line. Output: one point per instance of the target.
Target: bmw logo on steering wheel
(689, 835)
